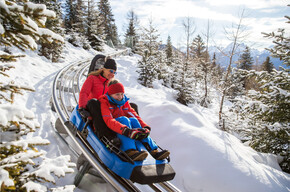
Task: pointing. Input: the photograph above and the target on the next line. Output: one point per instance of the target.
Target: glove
(145, 134)
(84, 113)
(148, 128)
(136, 134)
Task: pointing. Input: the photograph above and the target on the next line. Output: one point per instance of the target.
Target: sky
(168, 15)
(204, 157)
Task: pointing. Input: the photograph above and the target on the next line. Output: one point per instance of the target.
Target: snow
(204, 157)
(13, 113)
(56, 164)
(2, 30)
(31, 186)
(35, 7)
(49, 33)
(4, 178)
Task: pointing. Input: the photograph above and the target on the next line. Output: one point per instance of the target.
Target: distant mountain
(258, 56)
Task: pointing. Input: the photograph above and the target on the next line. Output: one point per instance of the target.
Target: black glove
(148, 128)
(84, 113)
(137, 134)
(145, 134)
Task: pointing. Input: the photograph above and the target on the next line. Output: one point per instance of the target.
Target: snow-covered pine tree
(70, 15)
(94, 33)
(246, 60)
(216, 72)
(148, 49)
(264, 112)
(23, 23)
(131, 35)
(281, 42)
(75, 23)
(108, 22)
(235, 120)
(196, 50)
(147, 69)
(169, 49)
(177, 68)
(166, 64)
(269, 112)
(267, 65)
(184, 95)
(164, 70)
(201, 69)
(52, 50)
(235, 84)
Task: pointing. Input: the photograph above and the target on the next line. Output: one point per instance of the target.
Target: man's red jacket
(93, 87)
(111, 111)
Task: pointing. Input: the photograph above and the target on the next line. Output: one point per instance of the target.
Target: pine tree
(94, 33)
(281, 42)
(197, 50)
(148, 49)
(70, 16)
(267, 65)
(185, 91)
(213, 63)
(169, 49)
(236, 83)
(268, 110)
(52, 50)
(216, 71)
(166, 62)
(21, 25)
(147, 70)
(246, 61)
(201, 68)
(197, 47)
(164, 69)
(131, 35)
(178, 73)
(108, 22)
(24, 24)
(75, 17)
(75, 23)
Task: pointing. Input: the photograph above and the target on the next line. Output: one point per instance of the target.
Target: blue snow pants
(128, 143)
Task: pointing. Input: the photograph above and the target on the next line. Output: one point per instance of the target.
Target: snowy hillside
(204, 158)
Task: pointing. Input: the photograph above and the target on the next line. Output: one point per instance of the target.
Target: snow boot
(160, 155)
(136, 155)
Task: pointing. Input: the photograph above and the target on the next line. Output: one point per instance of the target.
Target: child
(120, 117)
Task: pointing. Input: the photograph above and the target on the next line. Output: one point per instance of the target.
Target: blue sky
(167, 15)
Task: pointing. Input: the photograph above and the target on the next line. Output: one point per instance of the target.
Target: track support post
(84, 169)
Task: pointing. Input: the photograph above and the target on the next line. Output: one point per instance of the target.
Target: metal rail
(66, 87)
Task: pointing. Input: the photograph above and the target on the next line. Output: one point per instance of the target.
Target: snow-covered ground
(204, 158)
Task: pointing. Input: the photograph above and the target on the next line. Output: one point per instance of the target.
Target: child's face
(117, 96)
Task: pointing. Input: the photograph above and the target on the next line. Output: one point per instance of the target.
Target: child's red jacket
(111, 111)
